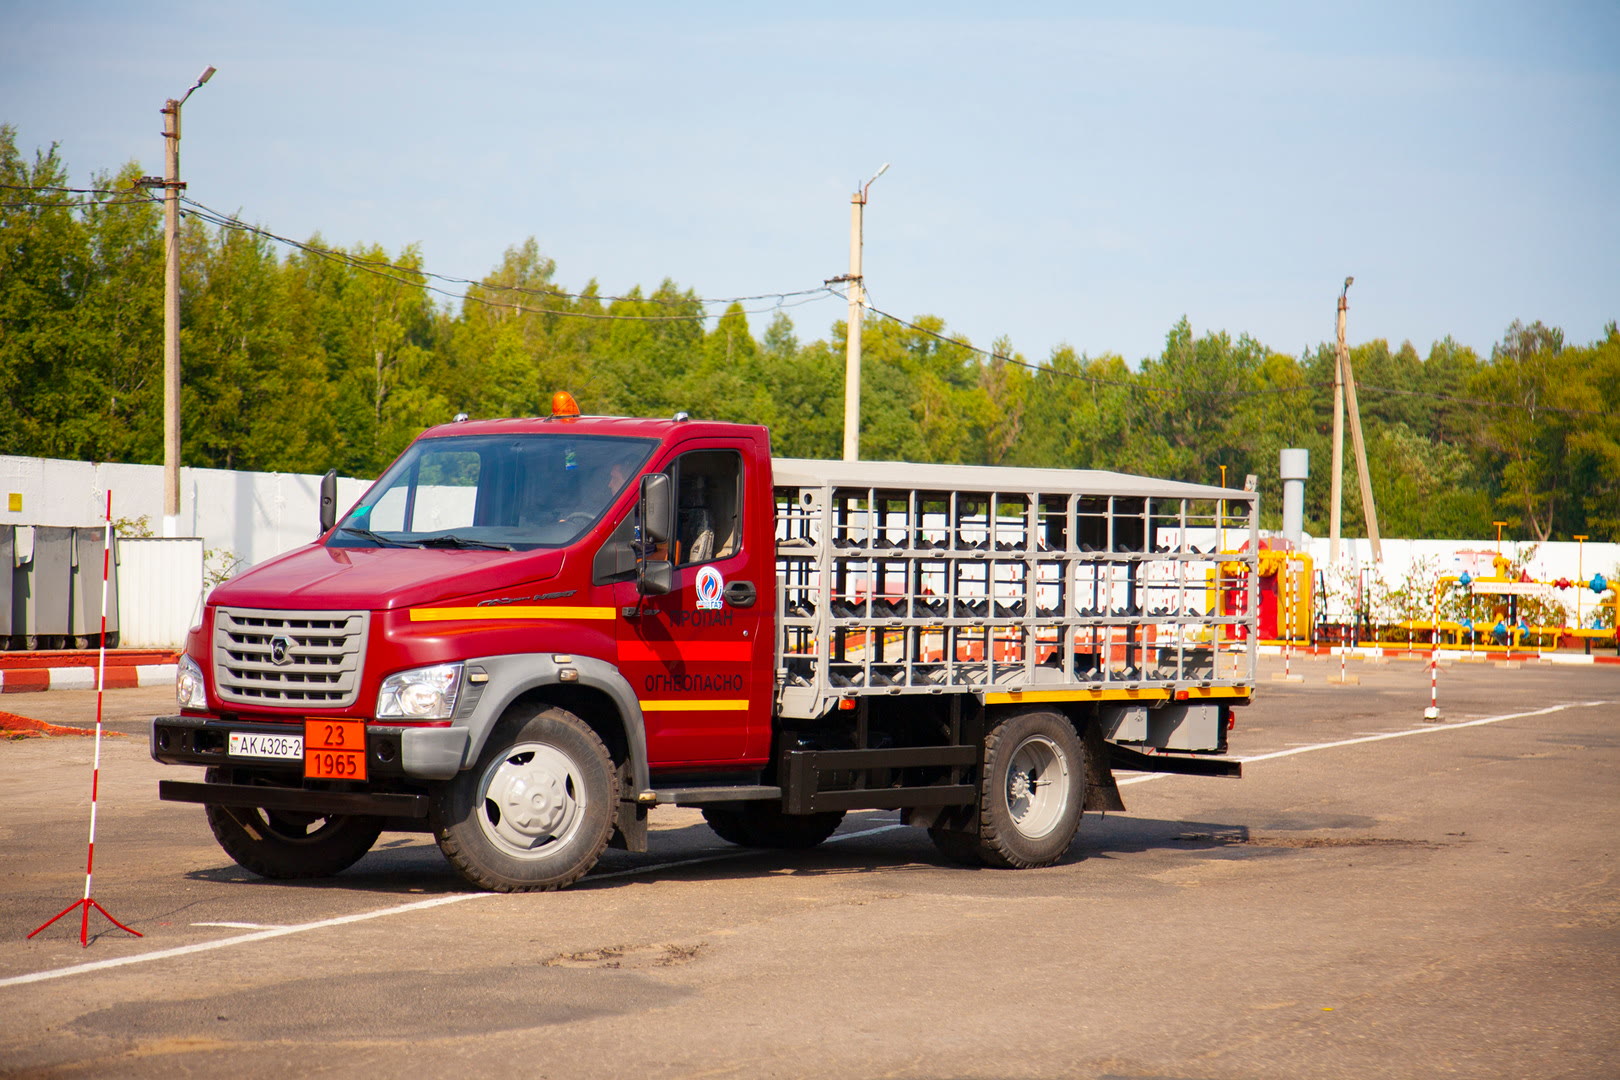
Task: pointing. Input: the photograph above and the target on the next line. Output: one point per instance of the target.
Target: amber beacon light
(563, 405)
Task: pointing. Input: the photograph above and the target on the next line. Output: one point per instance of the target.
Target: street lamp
(171, 303)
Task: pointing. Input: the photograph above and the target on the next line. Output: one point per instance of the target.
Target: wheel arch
(1102, 791)
(595, 691)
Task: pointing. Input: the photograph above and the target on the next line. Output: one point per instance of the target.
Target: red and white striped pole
(1433, 711)
(1285, 618)
(95, 776)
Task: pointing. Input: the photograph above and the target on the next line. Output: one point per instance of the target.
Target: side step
(807, 769)
(699, 796)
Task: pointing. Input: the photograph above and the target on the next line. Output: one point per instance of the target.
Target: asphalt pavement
(1378, 896)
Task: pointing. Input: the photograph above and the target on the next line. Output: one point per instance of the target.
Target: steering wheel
(578, 517)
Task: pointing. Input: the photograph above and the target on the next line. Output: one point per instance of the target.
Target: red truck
(529, 632)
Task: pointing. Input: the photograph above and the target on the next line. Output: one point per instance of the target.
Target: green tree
(1529, 377)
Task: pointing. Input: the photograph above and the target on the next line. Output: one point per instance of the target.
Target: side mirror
(328, 500)
(655, 509)
(655, 577)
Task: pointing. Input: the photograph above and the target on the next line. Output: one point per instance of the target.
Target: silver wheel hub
(1021, 786)
(533, 799)
(1038, 788)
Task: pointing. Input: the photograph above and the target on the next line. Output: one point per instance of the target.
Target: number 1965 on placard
(334, 749)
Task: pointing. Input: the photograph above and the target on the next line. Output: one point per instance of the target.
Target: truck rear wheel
(764, 825)
(284, 844)
(1032, 785)
(536, 810)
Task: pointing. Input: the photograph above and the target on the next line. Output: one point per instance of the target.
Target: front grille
(293, 659)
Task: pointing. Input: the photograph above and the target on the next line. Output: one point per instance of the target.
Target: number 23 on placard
(334, 749)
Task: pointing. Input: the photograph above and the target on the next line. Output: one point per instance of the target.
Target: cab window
(708, 506)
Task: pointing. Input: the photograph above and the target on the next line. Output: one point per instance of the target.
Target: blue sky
(1061, 173)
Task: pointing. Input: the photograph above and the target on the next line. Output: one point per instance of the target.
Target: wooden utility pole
(172, 187)
(857, 305)
(1336, 499)
(1369, 509)
(1344, 392)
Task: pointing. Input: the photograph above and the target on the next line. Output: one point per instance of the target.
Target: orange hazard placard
(334, 749)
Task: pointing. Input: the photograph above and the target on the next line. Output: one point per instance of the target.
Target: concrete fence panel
(160, 590)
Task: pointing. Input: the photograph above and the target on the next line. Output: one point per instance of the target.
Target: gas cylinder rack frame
(903, 579)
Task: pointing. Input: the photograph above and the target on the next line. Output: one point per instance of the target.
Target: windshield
(511, 492)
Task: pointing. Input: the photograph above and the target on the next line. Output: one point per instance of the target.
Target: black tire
(286, 845)
(536, 810)
(764, 825)
(1032, 787)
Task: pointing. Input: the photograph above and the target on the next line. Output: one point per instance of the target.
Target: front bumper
(391, 752)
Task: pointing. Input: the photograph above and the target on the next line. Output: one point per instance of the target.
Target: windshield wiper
(375, 538)
(452, 540)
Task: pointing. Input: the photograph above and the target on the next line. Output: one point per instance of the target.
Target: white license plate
(250, 744)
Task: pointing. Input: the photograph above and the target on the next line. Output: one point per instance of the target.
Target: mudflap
(630, 827)
(1101, 791)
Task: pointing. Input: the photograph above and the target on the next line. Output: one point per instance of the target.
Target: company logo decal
(708, 589)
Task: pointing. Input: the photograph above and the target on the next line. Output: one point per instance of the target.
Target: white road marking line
(240, 939)
(342, 920)
(243, 925)
(1426, 729)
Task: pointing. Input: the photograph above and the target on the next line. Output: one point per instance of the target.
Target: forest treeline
(301, 357)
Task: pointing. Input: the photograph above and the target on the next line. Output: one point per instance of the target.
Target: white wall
(248, 514)
(1546, 562)
(238, 518)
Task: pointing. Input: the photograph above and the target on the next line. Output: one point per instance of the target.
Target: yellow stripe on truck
(1015, 697)
(695, 705)
(511, 611)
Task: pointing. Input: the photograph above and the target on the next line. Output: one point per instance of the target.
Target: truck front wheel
(536, 810)
(1031, 789)
(285, 845)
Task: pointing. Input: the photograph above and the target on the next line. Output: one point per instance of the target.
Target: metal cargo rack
(1012, 584)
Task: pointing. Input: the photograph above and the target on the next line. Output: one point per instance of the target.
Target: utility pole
(1336, 499)
(1369, 509)
(172, 186)
(857, 304)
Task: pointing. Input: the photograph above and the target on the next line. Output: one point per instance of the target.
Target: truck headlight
(427, 693)
(188, 684)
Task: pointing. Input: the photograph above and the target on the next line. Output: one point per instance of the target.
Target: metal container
(85, 606)
(42, 587)
(8, 567)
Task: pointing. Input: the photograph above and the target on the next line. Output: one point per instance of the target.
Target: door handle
(740, 593)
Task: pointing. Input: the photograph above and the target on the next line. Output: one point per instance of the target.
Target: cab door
(701, 657)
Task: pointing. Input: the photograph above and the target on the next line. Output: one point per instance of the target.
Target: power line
(1170, 390)
(384, 267)
(1481, 402)
(1098, 380)
(64, 190)
(390, 271)
(37, 205)
(419, 277)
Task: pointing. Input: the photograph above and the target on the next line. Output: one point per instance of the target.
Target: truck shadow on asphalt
(411, 866)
